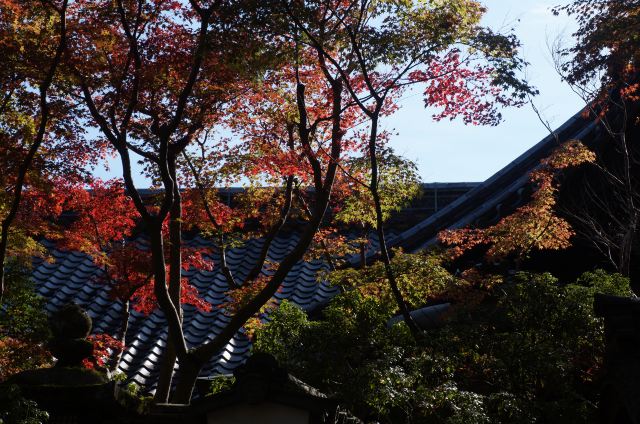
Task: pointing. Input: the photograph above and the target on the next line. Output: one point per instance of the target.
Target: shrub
(15, 409)
(24, 328)
(529, 352)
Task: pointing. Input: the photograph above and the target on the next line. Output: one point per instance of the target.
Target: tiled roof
(68, 278)
(499, 195)
(448, 205)
(427, 317)
(71, 276)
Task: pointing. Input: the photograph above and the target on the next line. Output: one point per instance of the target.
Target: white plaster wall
(263, 413)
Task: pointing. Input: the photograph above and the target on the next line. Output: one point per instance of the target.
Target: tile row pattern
(70, 277)
(486, 203)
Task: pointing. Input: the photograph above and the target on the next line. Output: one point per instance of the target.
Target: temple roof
(499, 195)
(443, 205)
(72, 277)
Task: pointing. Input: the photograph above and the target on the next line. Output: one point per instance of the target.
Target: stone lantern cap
(70, 326)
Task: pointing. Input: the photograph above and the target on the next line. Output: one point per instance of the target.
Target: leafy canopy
(530, 351)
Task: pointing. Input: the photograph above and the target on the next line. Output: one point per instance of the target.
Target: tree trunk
(26, 163)
(175, 259)
(626, 249)
(166, 372)
(384, 253)
(188, 371)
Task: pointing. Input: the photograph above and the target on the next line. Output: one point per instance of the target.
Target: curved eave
(488, 197)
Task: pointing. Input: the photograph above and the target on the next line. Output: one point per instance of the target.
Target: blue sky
(450, 151)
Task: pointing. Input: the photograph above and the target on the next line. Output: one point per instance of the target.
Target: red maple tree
(295, 83)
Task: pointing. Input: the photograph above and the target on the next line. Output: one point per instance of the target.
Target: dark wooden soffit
(499, 195)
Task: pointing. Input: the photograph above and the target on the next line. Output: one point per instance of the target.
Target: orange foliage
(532, 226)
(239, 297)
(104, 347)
(18, 355)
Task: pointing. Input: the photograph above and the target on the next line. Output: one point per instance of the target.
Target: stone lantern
(69, 392)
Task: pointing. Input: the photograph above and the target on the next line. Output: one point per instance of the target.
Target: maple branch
(125, 68)
(303, 132)
(168, 181)
(547, 125)
(130, 185)
(384, 252)
(596, 234)
(121, 146)
(97, 116)
(373, 186)
(133, 48)
(622, 223)
(155, 119)
(183, 142)
(360, 60)
(141, 152)
(394, 83)
(35, 146)
(124, 328)
(126, 313)
(199, 10)
(317, 45)
(336, 132)
(345, 171)
(307, 212)
(202, 353)
(226, 271)
(198, 356)
(273, 232)
(198, 58)
(167, 154)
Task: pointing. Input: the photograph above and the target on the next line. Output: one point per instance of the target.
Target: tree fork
(196, 358)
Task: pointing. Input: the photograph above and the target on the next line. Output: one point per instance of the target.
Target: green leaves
(530, 352)
(15, 409)
(24, 328)
(421, 278)
(221, 384)
(22, 313)
(399, 184)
